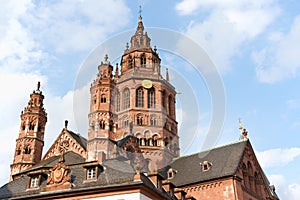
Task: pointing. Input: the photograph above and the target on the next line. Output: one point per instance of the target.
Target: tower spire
(140, 27)
(30, 142)
(140, 39)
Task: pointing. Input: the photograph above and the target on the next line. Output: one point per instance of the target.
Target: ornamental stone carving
(59, 177)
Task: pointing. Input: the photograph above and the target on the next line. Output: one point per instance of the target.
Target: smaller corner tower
(102, 123)
(30, 142)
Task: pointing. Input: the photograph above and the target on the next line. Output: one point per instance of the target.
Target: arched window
(103, 98)
(166, 142)
(118, 101)
(126, 98)
(250, 175)
(111, 125)
(130, 63)
(139, 120)
(18, 152)
(143, 61)
(27, 150)
(140, 140)
(102, 124)
(245, 175)
(257, 183)
(95, 99)
(154, 140)
(126, 122)
(139, 97)
(153, 121)
(151, 98)
(163, 99)
(31, 126)
(170, 107)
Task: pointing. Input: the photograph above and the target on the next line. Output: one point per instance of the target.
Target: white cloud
(277, 157)
(294, 191)
(77, 25)
(26, 29)
(281, 59)
(293, 103)
(58, 109)
(285, 190)
(228, 25)
(19, 51)
(15, 90)
(188, 7)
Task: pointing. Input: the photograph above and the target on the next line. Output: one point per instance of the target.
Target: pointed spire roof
(140, 39)
(140, 27)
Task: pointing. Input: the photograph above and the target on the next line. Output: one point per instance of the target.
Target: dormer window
(171, 173)
(34, 181)
(91, 173)
(205, 166)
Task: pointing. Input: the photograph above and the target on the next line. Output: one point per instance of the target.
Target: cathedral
(132, 149)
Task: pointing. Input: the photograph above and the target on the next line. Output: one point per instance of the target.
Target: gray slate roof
(224, 160)
(81, 140)
(116, 173)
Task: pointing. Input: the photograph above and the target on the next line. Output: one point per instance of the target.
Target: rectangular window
(91, 173)
(34, 182)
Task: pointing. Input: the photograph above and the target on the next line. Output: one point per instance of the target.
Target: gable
(253, 179)
(67, 141)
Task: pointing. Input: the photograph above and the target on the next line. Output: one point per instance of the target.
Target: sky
(253, 44)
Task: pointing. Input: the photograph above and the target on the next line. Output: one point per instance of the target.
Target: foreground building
(132, 150)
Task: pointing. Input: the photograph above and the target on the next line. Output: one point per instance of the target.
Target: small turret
(30, 142)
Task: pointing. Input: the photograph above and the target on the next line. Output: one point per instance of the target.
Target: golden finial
(243, 131)
(240, 125)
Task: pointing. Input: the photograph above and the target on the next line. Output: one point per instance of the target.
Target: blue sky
(254, 45)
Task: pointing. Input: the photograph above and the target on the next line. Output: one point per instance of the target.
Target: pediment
(67, 141)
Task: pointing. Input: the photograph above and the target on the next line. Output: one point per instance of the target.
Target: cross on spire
(140, 11)
(38, 86)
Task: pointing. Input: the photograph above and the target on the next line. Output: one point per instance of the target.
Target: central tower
(137, 102)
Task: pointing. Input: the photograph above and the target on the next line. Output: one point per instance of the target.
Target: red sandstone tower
(138, 102)
(29, 144)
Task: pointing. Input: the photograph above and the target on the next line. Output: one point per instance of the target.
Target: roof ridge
(213, 148)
